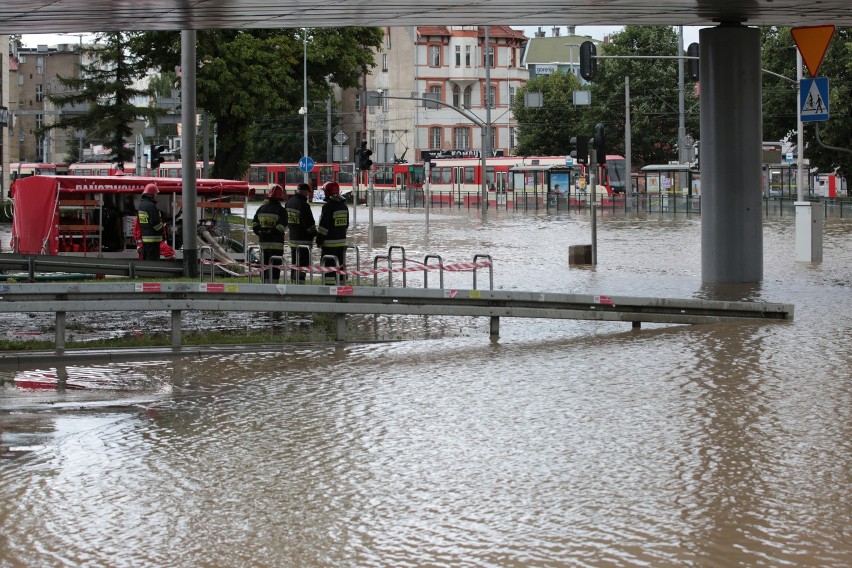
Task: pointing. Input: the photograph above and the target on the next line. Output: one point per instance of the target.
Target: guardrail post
(490, 270)
(176, 328)
(494, 327)
(340, 327)
(59, 335)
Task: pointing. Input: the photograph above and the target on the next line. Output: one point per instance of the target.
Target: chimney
(571, 30)
(555, 31)
(540, 32)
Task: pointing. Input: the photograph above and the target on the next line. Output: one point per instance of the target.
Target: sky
(690, 34)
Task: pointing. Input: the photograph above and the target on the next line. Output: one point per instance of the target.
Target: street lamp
(304, 110)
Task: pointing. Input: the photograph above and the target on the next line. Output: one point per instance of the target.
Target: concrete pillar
(731, 139)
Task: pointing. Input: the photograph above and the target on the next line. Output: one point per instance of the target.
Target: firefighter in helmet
(269, 224)
(331, 231)
(302, 228)
(150, 223)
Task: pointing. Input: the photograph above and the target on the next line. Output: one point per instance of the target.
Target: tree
(780, 102)
(654, 107)
(547, 130)
(105, 88)
(246, 75)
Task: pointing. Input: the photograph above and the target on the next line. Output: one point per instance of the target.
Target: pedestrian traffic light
(588, 62)
(581, 154)
(364, 161)
(156, 156)
(600, 143)
(692, 64)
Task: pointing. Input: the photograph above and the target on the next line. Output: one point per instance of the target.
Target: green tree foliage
(780, 100)
(247, 75)
(105, 87)
(547, 130)
(654, 108)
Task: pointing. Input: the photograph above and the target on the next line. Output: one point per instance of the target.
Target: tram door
(464, 182)
(458, 183)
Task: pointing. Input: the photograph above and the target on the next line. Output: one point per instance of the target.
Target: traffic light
(364, 161)
(600, 143)
(426, 156)
(588, 63)
(156, 156)
(692, 51)
(581, 154)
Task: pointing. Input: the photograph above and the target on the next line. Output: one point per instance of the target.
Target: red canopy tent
(35, 224)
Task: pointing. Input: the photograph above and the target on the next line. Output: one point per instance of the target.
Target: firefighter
(302, 228)
(150, 223)
(269, 224)
(331, 231)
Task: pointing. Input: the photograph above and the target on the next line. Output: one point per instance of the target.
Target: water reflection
(560, 443)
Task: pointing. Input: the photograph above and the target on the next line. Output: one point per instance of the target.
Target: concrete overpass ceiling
(72, 16)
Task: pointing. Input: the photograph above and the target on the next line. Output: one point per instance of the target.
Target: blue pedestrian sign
(306, 164)
(813, 99)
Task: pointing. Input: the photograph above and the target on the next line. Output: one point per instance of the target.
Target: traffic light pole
(593, 165)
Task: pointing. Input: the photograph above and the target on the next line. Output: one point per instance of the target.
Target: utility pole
(486, 130)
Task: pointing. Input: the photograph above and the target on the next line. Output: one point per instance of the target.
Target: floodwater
(560, 443)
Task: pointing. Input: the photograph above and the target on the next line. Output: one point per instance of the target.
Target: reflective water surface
(560, 443)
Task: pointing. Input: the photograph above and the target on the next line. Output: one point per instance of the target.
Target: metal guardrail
(132, 268)
(178, 297)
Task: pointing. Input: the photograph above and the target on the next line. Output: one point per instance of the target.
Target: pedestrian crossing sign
(813, 99)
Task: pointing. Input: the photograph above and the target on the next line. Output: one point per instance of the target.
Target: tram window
(469, 174)
(446, 176)
(326, 173)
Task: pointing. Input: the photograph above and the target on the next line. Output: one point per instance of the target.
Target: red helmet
(331, 188)
(151, 189)
(275, 192)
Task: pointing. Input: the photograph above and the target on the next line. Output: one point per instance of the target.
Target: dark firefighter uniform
(269, 224)
(331, 235)
(151, 227)
(302, 228)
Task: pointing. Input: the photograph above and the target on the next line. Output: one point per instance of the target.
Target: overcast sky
(690, 34)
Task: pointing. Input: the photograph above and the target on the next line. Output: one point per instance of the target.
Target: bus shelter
(550, 181)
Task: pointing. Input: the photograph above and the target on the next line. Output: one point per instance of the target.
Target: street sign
(789, 157)
(341, 138)
(812, 42)
(813, 99)
(306, 163)
(569, 161)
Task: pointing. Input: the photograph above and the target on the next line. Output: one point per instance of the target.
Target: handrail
(310, 260)
(390, 265)
(212, 263)
(248, 261)
(490, 270)
(376, 267)
(336, 265)
(426, 272)
(357, 262)
(283, 268)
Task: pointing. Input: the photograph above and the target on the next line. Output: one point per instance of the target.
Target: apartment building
(448, 63)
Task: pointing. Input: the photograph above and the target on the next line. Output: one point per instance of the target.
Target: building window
(456, 96)
(435, 138)
(435, 91)
(468, 95)
(40, 148)
(511, 95)
(461, 138)
(386, 136)
(385, 103)
(385, 62)
(511, 137)
(39, 93)
(39, 65)
(493, 132)
(387, 38)
(513, 55)
(358, 102)
(434, 55)
(489, 56)
(458, 56)
(467, 56)
(39, 121)
(492, 96)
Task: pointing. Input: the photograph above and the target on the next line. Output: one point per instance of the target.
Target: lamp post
(304, 109)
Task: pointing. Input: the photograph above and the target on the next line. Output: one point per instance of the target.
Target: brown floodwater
(560, 443)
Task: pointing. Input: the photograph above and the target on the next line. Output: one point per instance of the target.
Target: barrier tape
(457, 267)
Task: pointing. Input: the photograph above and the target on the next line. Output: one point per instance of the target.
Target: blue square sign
(813, 99)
